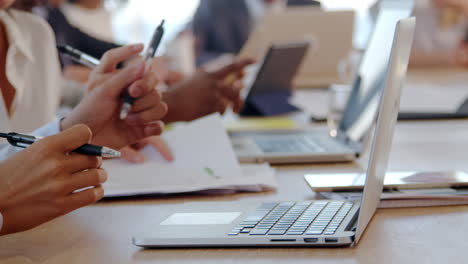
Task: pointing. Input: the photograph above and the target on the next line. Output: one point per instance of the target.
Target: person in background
(235, 20)
(198, 95)
(30, 88)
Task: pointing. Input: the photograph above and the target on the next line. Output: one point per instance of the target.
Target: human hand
(206, 93)
(41, 182)
(132, 153)
(101, 106)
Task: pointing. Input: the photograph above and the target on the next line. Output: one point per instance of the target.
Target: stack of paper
(204, 160)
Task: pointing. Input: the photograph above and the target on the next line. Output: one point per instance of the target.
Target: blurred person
(235, 20)
(30, 87)
(203, 93)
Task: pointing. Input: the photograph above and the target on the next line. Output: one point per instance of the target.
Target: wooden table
(102, 233)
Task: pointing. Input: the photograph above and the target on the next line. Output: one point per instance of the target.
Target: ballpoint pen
(150, 52)
(78, 56)
(23, 141)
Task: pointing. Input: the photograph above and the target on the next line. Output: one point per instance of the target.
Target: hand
(132, 153)
(39, 183)
(206, 93)
(101, 106)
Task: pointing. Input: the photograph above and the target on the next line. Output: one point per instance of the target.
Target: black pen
(78, 56)
(23, 141)
(150, 52)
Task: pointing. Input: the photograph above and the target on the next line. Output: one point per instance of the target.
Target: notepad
(204, 160)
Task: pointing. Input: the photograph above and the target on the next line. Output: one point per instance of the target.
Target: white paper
(204, 160)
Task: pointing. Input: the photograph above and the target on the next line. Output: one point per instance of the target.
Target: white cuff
(50, 129)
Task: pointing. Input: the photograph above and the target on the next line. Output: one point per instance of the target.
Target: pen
(78, 56)
(23, 141)
(150, 52)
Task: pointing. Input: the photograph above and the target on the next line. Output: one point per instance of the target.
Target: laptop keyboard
(294, 218)
(290, 145)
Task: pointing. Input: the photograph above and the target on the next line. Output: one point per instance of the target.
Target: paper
(204, 160)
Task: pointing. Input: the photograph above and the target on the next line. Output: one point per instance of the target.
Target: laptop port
(311, 240)
(331, 240)
(283, 240)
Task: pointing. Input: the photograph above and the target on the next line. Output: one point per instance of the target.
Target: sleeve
(6, 150)
(71, 35)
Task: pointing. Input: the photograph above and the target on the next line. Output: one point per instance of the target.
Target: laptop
(269, 93)
(347, 143)
(320, 67)
(327, 223)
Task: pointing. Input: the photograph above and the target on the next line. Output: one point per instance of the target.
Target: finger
(154, 129)
(85, 179)
(153, 114)
(230, 91)
(132, 155)
(68, 140)
(146, 102)
(113, 57)
(77, 162)
(144, 86)
(115, 86)
(232, 68)
(83, 198)
(160, 145)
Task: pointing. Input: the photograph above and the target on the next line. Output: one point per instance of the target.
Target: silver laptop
(358, 118)
(305, 223)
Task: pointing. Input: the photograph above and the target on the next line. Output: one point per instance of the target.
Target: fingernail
(137, 91)
(136, 47)
(102, 177)
(98, 193)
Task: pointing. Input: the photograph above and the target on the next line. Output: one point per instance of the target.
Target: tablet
(271, 87)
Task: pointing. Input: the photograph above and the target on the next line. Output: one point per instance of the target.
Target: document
(204, 160)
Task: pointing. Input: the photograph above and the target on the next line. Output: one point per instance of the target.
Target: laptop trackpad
(223, 218)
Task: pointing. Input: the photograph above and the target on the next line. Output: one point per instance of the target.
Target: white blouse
(33, 69)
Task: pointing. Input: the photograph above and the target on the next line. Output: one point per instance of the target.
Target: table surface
(102, 233)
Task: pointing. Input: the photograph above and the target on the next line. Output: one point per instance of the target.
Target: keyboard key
(233, 234)
(314, 232)
(295, 233)
(258, 232)
(277, 232)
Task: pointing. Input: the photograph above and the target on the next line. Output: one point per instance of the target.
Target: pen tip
(162, 23)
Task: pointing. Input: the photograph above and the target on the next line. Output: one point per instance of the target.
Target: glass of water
(338, 99)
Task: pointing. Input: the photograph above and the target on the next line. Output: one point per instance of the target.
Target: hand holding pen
(149, 54)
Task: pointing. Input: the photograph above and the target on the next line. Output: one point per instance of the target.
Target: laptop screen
(363, 103)
(384, 130)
